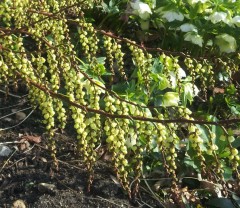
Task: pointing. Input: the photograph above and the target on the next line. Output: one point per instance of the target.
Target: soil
(27, 176)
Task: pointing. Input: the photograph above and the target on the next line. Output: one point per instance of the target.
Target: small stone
(5, 151)
(46, 188)
(19, 204)
(20, 116)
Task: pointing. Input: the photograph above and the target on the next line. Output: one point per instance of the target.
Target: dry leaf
(24, 145)
(19, 204)
(218, 90)
(34, 139)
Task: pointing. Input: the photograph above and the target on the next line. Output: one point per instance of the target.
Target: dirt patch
(28, 175)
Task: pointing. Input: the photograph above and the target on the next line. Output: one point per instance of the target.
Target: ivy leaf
(189, 92)
(220, 203)
(227, 171)
(163, 82)
(158, 100)
(120, 88)
(157, 66)
(231, 89)
(50, 38)
(189, 162)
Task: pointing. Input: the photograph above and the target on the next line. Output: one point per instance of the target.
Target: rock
(19, 204)
(47, 188)
(5, 151)
(20, 116)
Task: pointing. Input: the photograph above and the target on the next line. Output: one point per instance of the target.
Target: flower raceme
(173, 76)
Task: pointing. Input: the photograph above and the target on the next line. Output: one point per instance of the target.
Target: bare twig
(152, 192)
(13, 142)
(6, 162)
(10, 94)
(19, 122)
(72, 166)
(12, 106)
(14, 112)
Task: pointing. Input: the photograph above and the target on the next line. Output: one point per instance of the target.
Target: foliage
(142, 101)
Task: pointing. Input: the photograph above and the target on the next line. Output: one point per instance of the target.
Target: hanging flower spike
(191, 90)
(181, 74)
(226, 43)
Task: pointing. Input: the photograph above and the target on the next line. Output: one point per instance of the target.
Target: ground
(27, 176)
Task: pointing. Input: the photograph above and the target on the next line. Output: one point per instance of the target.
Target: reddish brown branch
(109, 34)
(138, 118)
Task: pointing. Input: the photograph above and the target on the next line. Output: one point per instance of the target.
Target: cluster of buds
(109, 52)
(88, 39)
(169, 145)
(4, 74)
(196, 142)
(93, 128)
(116, 139)
(143, 62)
(115, 56)
(233, 157)
(172, 70)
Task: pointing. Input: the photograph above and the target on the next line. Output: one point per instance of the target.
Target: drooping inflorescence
(54, 51)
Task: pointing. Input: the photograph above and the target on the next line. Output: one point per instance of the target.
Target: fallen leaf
(218, 90)
(19, 204)
(34, 139)
(24, 145)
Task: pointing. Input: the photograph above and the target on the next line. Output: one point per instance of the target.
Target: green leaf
(120, 88)
(236, 143)
(157, 66)
(157, 100)
(191, 183)
(163, 82)
(101, 60)
(236, 199)
(187, 94)
(227, 172)
(220, 203)
(189, 162)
